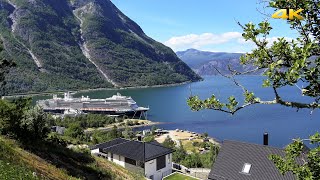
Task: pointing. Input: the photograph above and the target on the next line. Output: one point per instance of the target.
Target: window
(161, 162)
(169, 158)
(130, 161)
(111, 156)
(246, 168)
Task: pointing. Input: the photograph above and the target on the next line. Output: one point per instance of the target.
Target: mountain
(204, 62)
(80, 44)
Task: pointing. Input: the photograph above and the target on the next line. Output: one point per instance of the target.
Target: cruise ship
(115, 105)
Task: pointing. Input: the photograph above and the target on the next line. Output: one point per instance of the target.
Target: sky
(207, 25)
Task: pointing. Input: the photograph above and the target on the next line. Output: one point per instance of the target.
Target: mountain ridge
(82, 44)
(205, 62)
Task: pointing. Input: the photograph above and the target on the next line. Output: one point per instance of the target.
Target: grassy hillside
(54, 162)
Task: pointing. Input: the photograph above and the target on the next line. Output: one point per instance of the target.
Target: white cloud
(270, 40)
(225, 42)
(199, 40)
(251, 45)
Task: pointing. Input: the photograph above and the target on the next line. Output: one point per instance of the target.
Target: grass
(189, 147)
(119, 171)
(179, 176)
(54, 162)
(11, 171)
(20, 164)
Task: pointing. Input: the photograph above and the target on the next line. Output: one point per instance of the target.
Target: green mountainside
(80, 44)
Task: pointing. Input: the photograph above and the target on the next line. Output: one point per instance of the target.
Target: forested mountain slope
(79, 44)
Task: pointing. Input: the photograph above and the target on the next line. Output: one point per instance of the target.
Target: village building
(151, 159)
(246, 161)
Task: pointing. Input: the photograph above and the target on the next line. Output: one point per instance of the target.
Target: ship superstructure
(115, 105)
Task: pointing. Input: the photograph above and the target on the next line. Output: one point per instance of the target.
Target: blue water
(168, 104)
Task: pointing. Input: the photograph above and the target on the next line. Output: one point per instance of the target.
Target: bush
(148, 138)
(168, 142)
(20, 120)
(75, 131)
(87, 121)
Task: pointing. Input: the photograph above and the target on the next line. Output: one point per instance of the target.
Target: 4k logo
(287, 14)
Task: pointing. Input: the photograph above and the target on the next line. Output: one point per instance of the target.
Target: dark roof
(139, 151)
(109, 143)
(233, 155)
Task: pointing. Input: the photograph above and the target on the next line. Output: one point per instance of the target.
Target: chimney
(265, 139)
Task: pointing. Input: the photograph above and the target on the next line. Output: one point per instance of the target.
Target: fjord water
(169, 104)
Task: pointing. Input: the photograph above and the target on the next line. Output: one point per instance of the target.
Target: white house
(152, 159)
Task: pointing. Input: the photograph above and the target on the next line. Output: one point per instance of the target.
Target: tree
(75, 131)
(128, 133)
(114, 133)
(153, 129)
(18, 119)
(12, 115)
(310, 168)
(35, 123)
(205, 135)
(5, 66)
(168, 142)
(179, 154)
(148, 138)
(284, 63)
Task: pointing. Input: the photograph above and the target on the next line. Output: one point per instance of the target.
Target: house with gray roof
(151, 159)
(246, 161)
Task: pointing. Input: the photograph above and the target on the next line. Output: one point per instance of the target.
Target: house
(58, 129)
(146, 132)
(152, 159)
(246, 161)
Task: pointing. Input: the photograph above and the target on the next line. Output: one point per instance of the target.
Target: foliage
(75, 131)
(20, 120)
(5, 66)
(19, 164)
(104, 136)
(285, 63)
(168, 142)
(179, 154)
(35, 122)
(195, 159)
(148, 138)
(86, 121)
(205, 134)
(128, 133)
(12, 171)
(153, 129)
(309, 168)
(52, 33)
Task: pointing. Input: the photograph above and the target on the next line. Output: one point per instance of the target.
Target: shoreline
(95, 89)
(150, 123)
(31, 94)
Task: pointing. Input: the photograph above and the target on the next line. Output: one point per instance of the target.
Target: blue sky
(209, 25)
